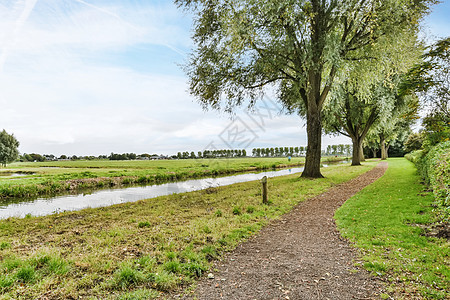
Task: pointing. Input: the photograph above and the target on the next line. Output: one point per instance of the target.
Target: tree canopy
(294, 47)
(431, 80)
(8, 148)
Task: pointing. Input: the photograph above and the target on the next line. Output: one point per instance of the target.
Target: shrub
(434, 167)
(438, 172)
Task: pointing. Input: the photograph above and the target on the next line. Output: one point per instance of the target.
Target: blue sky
(92, 77)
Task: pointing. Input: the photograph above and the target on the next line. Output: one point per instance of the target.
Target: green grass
(105, 253)
(383, 220)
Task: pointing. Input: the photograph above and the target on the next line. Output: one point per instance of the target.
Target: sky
(91, 77)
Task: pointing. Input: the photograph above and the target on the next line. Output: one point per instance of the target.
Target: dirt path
(300, 256)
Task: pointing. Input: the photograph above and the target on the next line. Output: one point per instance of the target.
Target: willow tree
(367, 91)
(244, 47)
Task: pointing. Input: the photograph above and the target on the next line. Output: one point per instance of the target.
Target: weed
(127, 276)
(171, 255)
(206, 229)
(172, 266)
(210, 252)
(4, 245)
(144, 224)
(165, 281)
(236, 211)
(25, 274)
(250, 209)
(194, 269)
(218, 213)
(142, 294)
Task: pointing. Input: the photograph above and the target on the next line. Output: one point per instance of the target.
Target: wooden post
(264, 190)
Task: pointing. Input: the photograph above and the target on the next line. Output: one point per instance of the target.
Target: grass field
(384, 221)
(48, 178)
(140, 250)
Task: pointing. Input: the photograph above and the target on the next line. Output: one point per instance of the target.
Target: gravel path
(300, 256)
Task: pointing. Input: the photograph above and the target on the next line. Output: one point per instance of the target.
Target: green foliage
(9, 145)
(437, 164)
(434, 168)
(413, 142)
(297, 48)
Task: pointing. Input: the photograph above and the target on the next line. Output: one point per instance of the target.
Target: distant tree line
(279, 151)
(225, 153)
(31, 157)
(340, 149)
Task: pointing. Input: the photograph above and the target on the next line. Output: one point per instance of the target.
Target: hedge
(434, 167)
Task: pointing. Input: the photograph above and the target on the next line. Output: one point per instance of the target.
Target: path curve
(300, 256)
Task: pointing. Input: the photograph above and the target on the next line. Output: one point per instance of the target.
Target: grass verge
(384, 220)
(147, 248)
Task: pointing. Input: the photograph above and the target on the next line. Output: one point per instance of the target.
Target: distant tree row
(225, 153)
(338, 150)
(279, 151)
(31, 157)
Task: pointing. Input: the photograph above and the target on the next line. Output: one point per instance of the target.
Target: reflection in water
(42, 206)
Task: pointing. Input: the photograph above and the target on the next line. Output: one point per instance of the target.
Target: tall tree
(9, 145)
(295, 46)
(369, 90)
(431, 80)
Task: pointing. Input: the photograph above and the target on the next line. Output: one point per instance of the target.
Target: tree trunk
(313, 152)
(383, 148)
(374, 152)
(361, 150)
(356, 158)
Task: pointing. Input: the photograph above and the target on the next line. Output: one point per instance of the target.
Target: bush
(438, 172)
(434, 167)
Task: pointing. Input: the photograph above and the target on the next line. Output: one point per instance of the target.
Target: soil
(300, 256)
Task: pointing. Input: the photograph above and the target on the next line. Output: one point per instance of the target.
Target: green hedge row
(434, 167)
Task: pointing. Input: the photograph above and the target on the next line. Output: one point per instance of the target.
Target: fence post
(264, 190)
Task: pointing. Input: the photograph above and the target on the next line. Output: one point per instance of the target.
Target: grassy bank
(49, 178)
(386, 222)
(140, 250)
(56, 177)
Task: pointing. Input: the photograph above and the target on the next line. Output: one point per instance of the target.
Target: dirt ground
(300, 256)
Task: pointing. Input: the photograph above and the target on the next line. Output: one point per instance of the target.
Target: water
(43, 206)
(10, 174)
